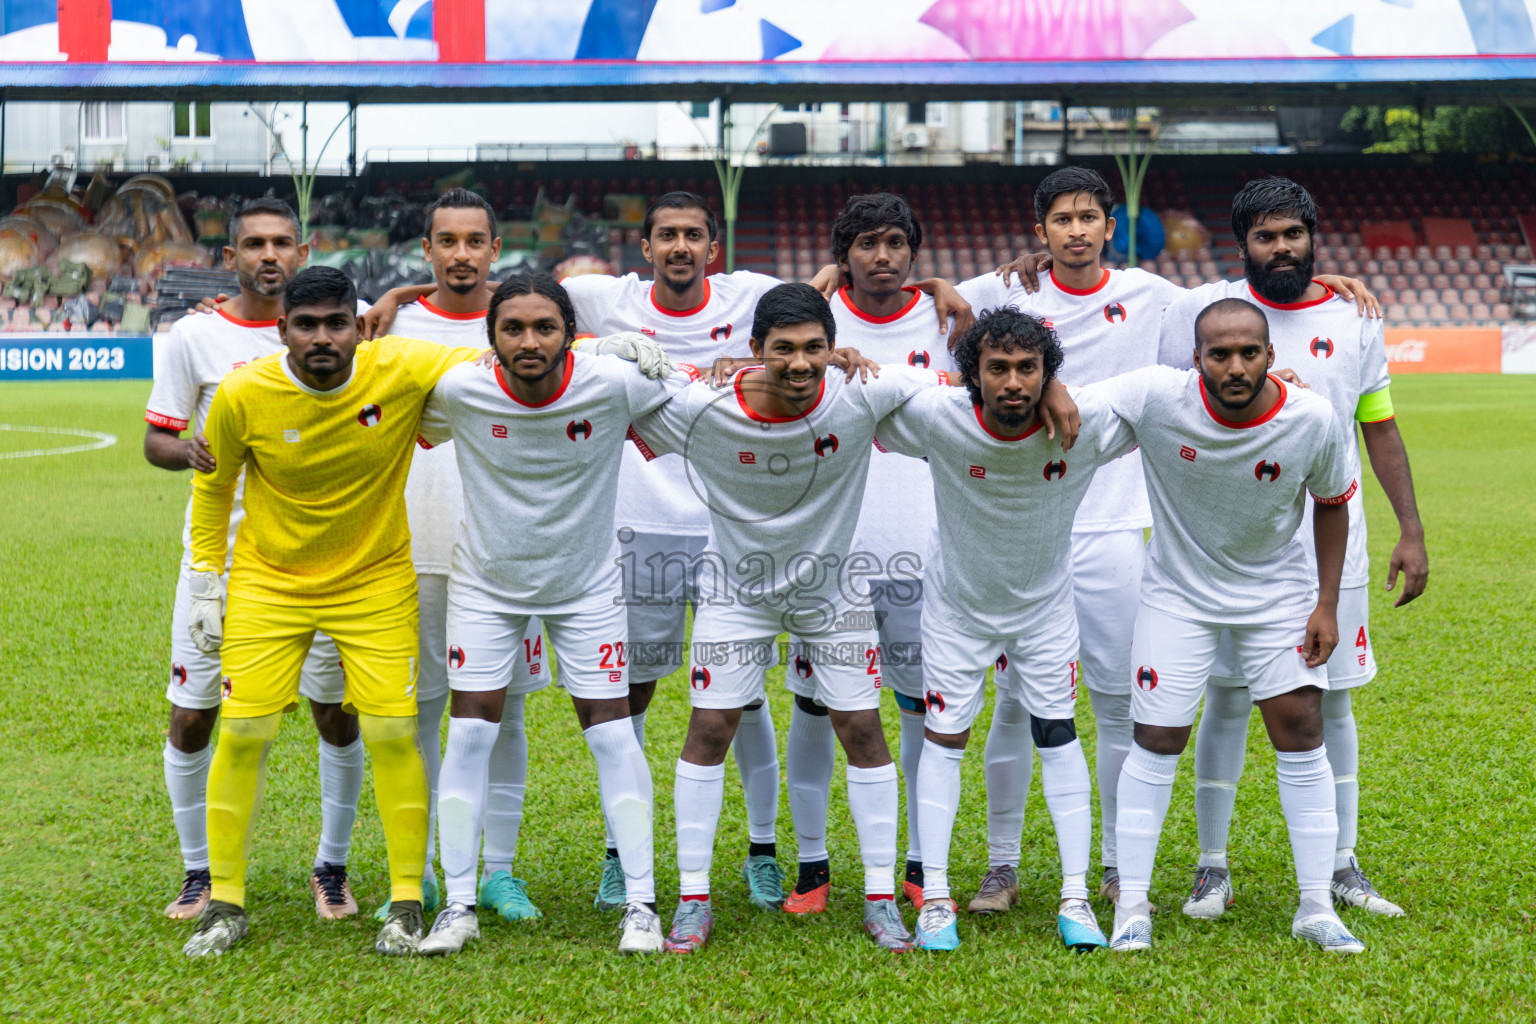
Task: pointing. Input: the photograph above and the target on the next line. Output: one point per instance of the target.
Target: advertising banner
(1444, 349)
(76, 357)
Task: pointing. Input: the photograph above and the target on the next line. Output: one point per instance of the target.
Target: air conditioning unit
(915, 136)
(157, 161)
(64, 158)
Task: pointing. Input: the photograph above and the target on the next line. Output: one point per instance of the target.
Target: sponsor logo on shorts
(825, 446)
(699, 679)
(935, 701)
(455, 657)
(582, 427)
(178, 673)
(1114, 313)
(1055, 470)
(369, 415)
(721, 333)
(918, 358)
(1187, 453)
(802, 666)
(1267, 471)
(1321, 347)
(1002, 662)
(1146, 677)
(226, 687)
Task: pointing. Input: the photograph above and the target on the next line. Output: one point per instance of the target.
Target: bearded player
(460, 243)
(1231, 454)
(326, 430)
(265, 253)
(1343, 359)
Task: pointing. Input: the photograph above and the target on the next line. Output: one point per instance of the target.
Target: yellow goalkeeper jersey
(324, 474)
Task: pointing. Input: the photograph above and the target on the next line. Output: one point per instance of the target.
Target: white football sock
(1306, 797)
(911, 755)
(1069, 796)
(186, 780)
(506, 784)
(756, 750)
(1146, 787)
(1009, 760)
(1343, 742)
(938, 795)
(461, 803)
(624, 786)
(429, 737)
(1112, 717)
(1221, 746)
(341, 783)
(637, 723)
(872, 800)
(697, 796)
(809, 752)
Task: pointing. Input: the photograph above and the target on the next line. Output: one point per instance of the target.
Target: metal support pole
(1066, 139)
(352, 139)
(1018, 132)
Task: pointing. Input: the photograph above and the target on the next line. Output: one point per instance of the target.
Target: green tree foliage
(1444, 129)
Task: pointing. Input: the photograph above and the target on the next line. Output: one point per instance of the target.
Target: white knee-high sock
(809, 752)
(1146, 787)
(506, 784)
(697, 796)
(637, 723)
(1343, 742)
(1009, 760)
(911, 755)
(938, 795)
(1307, 798)
(1221, 746)
(429, 737)
(341, 782)
(756, 749)
(461, 802)
(186, 780)
(872, 800)
(1112, 717)
(1068, 796)
(624, 786)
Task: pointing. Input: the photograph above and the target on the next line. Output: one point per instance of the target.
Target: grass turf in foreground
(88, 856)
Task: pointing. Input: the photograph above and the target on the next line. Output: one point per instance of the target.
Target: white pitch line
(98, 440)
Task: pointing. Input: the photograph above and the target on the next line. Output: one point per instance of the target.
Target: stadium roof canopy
(1330, 81)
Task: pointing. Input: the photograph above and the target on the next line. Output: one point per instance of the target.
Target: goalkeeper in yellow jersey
(324, 432)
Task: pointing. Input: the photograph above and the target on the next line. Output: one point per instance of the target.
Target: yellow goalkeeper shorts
(265, 645)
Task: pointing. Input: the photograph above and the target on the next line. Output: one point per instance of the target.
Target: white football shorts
(1353, 662)
(1174, 656)
(897, 616)
(659, 582)
(488, 636)
(1106, 586)
(197, 678)
(529, 674)
(1039, 670)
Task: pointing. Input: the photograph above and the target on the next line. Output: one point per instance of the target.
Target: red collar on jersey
(754, 415)
(1104, 280)
(1003, 437)
(1328, 293)
(1251, 423)
(247, 323)
(681, 312)
(480, 315)
(903, 311)
(565, 382)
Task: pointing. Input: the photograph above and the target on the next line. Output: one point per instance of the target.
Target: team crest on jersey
(825, 446)
(455, 657)
(1267, 471)
(1146, 677)
(699, 679)
(935, 701)
(226, 687)
(578, 427)
(721, 333)
(369, 415)
(178, 673)
(1114, 313)
(1002, 662)
(918, 358)
(1321, 347)
(802, 666)
(1055, 470)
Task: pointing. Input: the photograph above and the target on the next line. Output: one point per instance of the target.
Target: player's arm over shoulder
(1130, 395)
(426, 361)
(1107, 433)
(905, 430)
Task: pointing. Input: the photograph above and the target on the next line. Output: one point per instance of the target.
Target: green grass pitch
(89, 545)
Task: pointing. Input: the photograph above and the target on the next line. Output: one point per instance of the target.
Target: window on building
(917, 113)
(700, 108)
(103, 122)
(193, 121)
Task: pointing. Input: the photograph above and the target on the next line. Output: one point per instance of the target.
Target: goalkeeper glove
(206, 620)
(644, 352)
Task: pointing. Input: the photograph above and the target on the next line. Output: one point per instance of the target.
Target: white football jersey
(656, 497)
(540, 480)
(1104, 331)
(1227, 498)
(897, 516)
(434, 497)
(1335, 350)
(1003, 565)
(784, 493)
